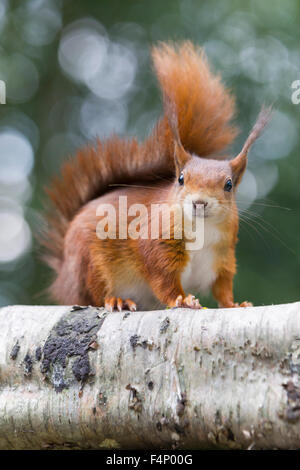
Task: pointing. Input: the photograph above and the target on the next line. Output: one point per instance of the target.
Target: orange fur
(197, 117)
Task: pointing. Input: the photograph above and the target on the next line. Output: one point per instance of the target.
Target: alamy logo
(2, 92)
(159, 221)
(296, 94)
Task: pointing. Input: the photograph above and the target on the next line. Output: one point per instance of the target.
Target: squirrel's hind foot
(116, 303)
(244, 304)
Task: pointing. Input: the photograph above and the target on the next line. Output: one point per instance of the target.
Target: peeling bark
(74, 377)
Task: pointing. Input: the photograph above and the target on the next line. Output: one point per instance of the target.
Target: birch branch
(85, 378)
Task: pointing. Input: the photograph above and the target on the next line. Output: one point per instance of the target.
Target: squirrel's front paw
(112, 303)
(188, 302)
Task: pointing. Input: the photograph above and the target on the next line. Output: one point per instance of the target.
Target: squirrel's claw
(119, 304)
(130, 304)
(116, 303)
(188, 302)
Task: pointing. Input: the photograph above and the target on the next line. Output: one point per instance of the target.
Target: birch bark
(84, 378)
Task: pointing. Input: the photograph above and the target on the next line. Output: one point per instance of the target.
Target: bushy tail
(91, 173)
(204, 107)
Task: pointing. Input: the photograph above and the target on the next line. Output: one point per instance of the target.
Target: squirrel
(181, 161)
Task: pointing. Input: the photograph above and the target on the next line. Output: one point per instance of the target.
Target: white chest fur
(199, 274)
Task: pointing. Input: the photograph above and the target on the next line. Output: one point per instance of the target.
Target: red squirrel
(180, 161)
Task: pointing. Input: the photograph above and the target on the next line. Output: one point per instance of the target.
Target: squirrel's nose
(200, 201)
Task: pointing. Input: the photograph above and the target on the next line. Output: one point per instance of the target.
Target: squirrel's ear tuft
(239, 163)
(181, 157)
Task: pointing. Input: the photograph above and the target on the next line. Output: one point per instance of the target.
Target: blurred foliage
(77, 69)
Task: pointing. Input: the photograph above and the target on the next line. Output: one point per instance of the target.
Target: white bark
(162, 379)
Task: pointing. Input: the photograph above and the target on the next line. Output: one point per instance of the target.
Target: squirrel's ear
(239, 163)
(181, 157)
(238, 167)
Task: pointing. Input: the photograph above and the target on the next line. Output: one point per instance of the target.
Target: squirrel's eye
(181, 179)
(228, 185)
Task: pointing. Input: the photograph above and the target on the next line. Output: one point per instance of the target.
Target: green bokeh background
(253, 44)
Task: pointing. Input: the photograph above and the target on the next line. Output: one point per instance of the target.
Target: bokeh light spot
(16, 157)
(15, 235)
